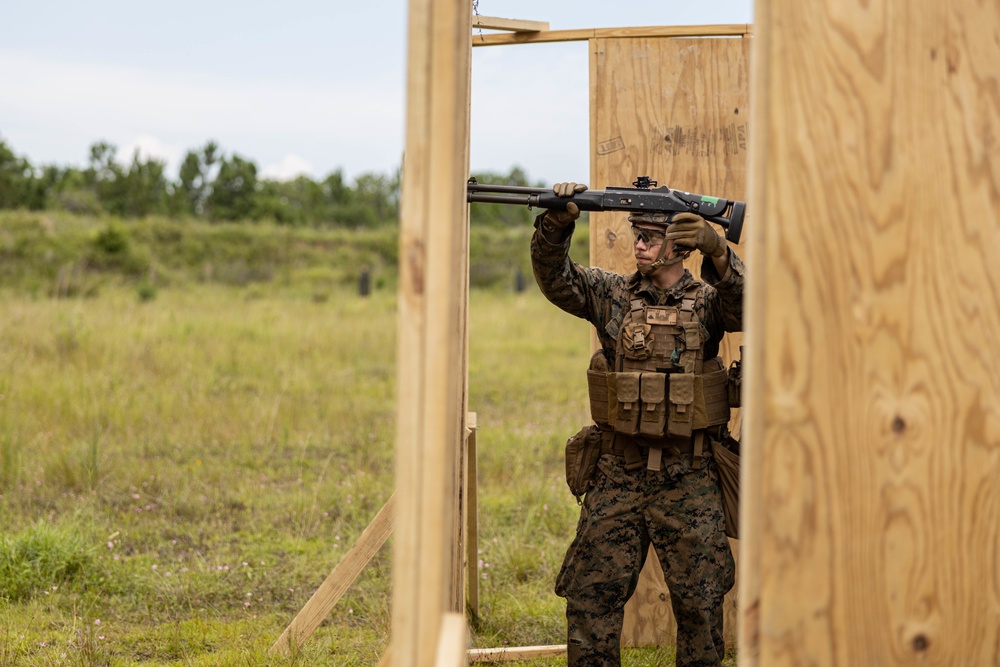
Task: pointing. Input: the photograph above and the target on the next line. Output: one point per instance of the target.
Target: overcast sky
(298, 86)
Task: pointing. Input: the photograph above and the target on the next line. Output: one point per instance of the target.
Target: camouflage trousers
(679, 511)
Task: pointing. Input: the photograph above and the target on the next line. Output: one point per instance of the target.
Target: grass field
(181, 467)
(178, 475)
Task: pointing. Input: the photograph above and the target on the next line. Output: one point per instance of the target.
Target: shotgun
(644, 196)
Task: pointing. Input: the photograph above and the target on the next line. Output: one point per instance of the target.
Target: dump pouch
(582, 452)
(727, 462)
(680, 418)
(627, 414)
(653, 390)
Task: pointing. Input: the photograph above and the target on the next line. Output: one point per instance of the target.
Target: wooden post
(431, 358)
(452, 641)
(871, 495)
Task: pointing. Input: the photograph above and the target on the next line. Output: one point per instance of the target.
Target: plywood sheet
(677, 110)
(871, 495)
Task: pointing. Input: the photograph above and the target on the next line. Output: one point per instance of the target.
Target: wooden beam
(516, 653)
(337, 583)
(493, 23)
(432, 359)
(727, 30)
(472, 516)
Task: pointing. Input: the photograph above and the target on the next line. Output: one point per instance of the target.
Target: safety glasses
(649, 237)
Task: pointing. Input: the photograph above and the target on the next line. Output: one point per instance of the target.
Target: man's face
(647, 241)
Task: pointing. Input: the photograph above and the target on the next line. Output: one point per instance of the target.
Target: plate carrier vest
(662, 392)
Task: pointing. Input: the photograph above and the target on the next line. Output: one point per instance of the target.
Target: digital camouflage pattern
(677, 509)
(602, 297)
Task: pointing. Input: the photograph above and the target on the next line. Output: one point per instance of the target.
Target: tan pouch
(612, 382)
(582, 452)
(680, 418)
(652, 391)
(597, 386)
(627, 410)
(715, 398)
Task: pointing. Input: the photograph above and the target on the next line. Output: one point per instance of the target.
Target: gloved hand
(557, 221)
(690, 230)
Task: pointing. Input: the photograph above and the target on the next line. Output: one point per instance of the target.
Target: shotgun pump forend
(644, 197)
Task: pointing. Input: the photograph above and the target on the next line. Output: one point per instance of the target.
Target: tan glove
(690, 230)
(557, 221)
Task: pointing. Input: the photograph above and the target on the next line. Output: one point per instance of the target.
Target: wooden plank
(516, 653)
(494, 23)
(339, 580)
(872, 506)
(452, 641)
(460, 252)
(431, 354)
(472, 516)
(582, 35)
(675, 109)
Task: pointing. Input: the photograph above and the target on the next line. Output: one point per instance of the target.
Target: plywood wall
(677, 110)
(871, 494)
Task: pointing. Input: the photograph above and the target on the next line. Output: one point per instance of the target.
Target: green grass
(182, 464)
(187, 471)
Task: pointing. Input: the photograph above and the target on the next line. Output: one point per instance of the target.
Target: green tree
(381, 194)
(301, 201)
(145, 187)
(68, 189)
(106, 177)
(335, 189)
(19, 186)
(196, 174)
(234, 190)
(139, 189)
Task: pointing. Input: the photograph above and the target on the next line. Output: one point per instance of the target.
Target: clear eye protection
(650, 237)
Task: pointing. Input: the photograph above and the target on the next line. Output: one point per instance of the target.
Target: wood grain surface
(432, 358)
(871, 488)
(677, 110)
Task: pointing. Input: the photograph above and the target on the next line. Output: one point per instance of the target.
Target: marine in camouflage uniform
(677, 508)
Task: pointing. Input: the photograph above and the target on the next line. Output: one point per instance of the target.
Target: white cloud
(289, 167)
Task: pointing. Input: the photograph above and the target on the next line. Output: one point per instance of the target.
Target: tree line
(212, 185)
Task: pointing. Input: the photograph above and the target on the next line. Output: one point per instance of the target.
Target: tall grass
(189, 469)
(179, 474)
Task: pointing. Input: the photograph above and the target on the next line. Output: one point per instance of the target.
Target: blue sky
(296, 86)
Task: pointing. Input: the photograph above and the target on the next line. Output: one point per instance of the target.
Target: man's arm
(721, 263)
(727, 302)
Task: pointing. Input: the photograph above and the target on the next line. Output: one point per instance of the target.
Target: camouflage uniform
(677, 509)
